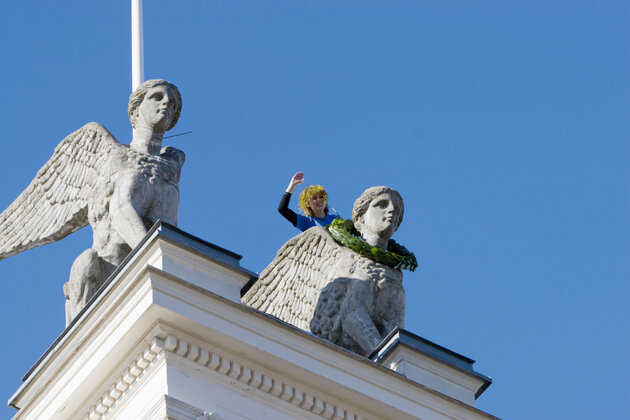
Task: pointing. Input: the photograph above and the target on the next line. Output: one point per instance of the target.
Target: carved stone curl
(319, 285)
(119, 190)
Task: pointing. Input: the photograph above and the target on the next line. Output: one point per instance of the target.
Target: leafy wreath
(396, 256)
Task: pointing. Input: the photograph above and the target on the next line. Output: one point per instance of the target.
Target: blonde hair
(306, 196)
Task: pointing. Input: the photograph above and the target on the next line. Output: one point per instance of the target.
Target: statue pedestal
(167, 338)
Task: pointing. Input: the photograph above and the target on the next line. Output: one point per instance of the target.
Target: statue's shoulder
(311, 241)
(173, 154)
(91, 136)
(95, 127)
(317, 232)
(96, 132)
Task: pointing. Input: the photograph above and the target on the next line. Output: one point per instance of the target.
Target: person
(313, 203)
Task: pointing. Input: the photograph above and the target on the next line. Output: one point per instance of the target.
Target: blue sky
(504, 125)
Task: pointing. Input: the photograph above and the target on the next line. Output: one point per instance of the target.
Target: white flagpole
(137, 45)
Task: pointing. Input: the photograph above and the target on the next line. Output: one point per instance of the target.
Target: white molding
(217, 362)
(152, 334)
(125, 381)
(169, 408)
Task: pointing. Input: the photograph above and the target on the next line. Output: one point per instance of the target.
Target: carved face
(317, 203)
(381, 217)
(157, 108)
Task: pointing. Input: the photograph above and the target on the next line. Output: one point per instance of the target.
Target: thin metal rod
(137, 45)
(175, 135)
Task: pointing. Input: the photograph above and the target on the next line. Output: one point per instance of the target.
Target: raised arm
(283, 206)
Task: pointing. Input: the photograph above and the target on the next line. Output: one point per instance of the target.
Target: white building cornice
(168, 334)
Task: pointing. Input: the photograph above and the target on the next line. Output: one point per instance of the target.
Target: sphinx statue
(342, 284)
(119, 190)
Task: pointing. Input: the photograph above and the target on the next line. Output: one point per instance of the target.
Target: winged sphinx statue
(119, 190)
(343, 288)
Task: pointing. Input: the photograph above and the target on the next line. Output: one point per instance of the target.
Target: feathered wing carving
(55, 203)
(320, 286)
(289, 287)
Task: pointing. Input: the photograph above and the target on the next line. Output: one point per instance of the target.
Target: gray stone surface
(119, 190)
(318, 285)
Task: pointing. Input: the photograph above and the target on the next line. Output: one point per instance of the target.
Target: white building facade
(168, 338)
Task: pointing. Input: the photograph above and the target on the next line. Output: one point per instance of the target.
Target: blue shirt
(305, 222)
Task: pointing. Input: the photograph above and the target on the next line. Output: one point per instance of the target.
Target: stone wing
(55, 203)
(289, 287)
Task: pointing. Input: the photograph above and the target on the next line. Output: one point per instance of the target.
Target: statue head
(312, 193)
(378, 212)
(138, 96)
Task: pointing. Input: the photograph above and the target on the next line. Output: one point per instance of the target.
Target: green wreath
(396, 256)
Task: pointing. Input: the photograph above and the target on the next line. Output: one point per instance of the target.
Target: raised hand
(297, 179)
